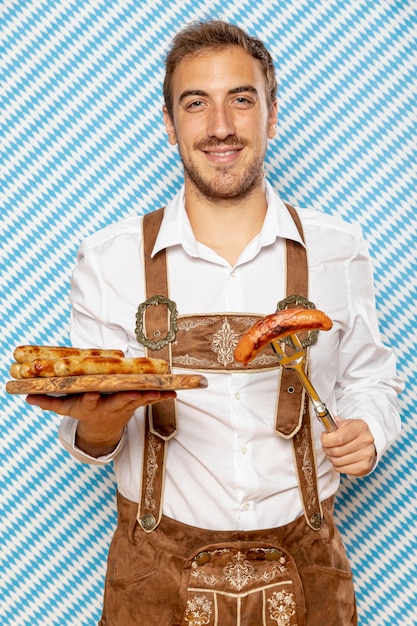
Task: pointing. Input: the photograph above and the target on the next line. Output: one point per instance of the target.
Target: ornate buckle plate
(296, 300)
(170, 336)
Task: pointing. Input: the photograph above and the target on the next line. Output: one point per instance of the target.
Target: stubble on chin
(225, 185)
(227, 182)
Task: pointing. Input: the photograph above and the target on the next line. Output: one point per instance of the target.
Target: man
(246, 534)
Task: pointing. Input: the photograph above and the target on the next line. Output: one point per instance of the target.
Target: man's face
(221, 122)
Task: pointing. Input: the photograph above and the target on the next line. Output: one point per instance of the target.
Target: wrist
(96, 444)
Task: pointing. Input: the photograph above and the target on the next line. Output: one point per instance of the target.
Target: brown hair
(215, 34)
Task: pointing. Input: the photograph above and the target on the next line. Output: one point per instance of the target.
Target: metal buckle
(296, 300)
(170, 336)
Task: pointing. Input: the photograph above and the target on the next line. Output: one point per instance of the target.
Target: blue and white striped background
(84, 145)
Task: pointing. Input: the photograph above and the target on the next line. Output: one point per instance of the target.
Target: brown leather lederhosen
(185, 576)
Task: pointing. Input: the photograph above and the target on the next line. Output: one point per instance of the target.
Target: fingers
(60, 405)
(351, 448)
(358, 463)
(126, 401)
(81, 406)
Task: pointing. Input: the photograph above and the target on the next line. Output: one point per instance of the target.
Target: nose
(220, 123)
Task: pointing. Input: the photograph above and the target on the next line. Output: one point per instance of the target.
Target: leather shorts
(180, 575)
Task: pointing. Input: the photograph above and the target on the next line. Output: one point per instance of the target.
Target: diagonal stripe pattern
(83, 145)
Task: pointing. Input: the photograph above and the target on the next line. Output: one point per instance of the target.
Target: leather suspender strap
(291, 399)
(297, 279)
(293, 416)
(161, 418)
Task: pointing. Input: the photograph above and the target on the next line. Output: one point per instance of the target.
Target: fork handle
(320, 409)
(325, 417)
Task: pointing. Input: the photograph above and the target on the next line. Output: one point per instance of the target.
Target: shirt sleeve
(368, 385)
(66, 434)
(89, 329)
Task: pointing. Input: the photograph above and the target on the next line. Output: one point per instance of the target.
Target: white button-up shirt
(227, 468)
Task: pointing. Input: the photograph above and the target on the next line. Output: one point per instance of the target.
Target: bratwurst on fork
(276, 326)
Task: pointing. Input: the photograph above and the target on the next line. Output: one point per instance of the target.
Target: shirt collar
(176, 228)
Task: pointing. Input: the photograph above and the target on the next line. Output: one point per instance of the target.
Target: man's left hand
(350, 448)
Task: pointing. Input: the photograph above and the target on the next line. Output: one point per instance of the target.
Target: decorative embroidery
(265, 360)
(224, 342)
(192, 362)
(198, 611)
(281, 607)
(307, 466)
(151, 469)
(191, 323)
(239, 572)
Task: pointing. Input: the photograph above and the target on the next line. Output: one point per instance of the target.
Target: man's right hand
(101, 418)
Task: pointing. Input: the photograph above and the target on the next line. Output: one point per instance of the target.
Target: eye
(195, 104)
(243, 102)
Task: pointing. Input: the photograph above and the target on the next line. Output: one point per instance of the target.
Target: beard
(228, 182)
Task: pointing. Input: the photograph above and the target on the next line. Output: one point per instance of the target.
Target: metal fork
(295, 361)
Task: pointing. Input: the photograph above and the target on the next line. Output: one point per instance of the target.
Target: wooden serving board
(63, 385)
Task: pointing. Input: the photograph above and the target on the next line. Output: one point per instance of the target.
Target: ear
(169, 126)
(272, 120)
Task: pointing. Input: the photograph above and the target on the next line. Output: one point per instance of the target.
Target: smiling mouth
(222, 153)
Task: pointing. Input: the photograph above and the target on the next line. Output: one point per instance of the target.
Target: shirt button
(233, 274)
(244, 450)
(237, 395)
(246, 506)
